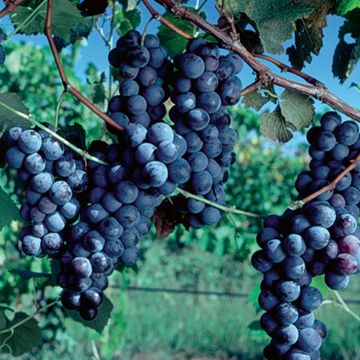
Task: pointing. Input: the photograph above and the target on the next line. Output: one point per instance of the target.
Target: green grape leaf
(273, 126)
(98, 91)
(25, 337)
(258, 99)
(99, 323)
(81, 29)
(297, 109)
(320, 284)
(347, 54)
(274, 19)
(345, 6)
(8, 210)
(129, 4)
(254, 325)
(65, 16)
(170, 39)
(309, 36)
(7, 117)
(253, 298)
(75, 134)
(127, 19)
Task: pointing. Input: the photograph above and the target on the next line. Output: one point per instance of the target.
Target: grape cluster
(205, 84)
(333, 146)
(117, 214)
(144, 71)
(154, 157)
(321, 238)
(53, 177)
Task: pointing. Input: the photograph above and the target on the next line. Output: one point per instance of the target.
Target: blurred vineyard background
(162, 325)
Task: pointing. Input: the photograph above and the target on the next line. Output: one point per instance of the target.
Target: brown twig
(10, 6)
(330, 187)
(251, 88)
(166, 22)
(65, 81)
(286, 68)
(263, 72)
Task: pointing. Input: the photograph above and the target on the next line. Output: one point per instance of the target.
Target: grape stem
(230, 210)
(81, 152)
(67, 86)
(251, 88)
(341, 303)
(166, 22)
(330, 187)
(263, 73)
(12, 328)
(58, 107)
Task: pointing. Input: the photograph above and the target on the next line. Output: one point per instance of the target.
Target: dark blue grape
(30, 141)
(15, 157)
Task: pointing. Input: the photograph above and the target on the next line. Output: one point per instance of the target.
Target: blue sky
(320, 68)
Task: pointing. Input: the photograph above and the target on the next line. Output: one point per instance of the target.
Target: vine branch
(166, 22)
(263, 72)
(81, 152)
(65, 81)
(330, 187)
(285, 68)
(9, 7)
(229, 210)
(12, 328)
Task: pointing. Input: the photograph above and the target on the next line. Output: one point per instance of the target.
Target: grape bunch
(53, 177)
(205, 84)
(333, 146)
(116, 213)
(144, 70)
(321, 238)
(154, 157)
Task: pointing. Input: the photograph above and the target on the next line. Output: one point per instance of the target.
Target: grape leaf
(253, 297)
(309, 36)
(258, 99)
(129, 4)
(8, 210)
(98, 92)
(347, 54)
(273, 126)
(320, 284)
(170, 39)
(81, 29)
(254, 325)
(345, 6)
(25, 337)
(167, 217)
(274, 19)
(7, 117)
(75, 134)
(297, 109)
(64, 18)
(99, 323)
(127, 20)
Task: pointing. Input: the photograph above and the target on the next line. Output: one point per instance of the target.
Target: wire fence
(205, 293)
